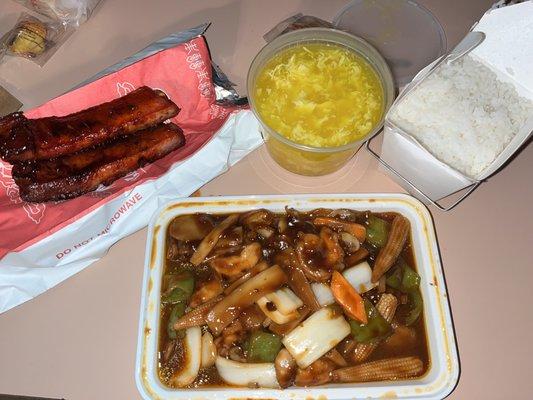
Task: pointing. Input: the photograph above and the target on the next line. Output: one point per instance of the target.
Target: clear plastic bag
(297, 21)
(70, 12)
(34, 38)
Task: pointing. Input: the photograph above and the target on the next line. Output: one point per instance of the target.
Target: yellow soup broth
(319, 95)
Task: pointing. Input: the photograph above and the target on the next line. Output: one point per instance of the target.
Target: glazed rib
(73, 175)
(23, 139)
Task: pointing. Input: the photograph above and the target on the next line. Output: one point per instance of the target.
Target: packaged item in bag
(42, 244)
(34, 38)
(71, 12)
(297, 21)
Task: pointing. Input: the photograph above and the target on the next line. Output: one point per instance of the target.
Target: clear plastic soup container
(443, 370)
(309, 160)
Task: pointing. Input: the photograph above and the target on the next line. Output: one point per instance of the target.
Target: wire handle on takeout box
(470, 188)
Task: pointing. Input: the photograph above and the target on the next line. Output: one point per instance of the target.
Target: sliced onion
(275, 315)
(247, 374)
(323, 294)
(360, 277)
(285, 300)
(209, 351)
(317, 335)
(192, 344)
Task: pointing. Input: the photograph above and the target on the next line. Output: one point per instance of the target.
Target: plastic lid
(406, 34)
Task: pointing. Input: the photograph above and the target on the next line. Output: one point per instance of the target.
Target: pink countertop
(78, 340)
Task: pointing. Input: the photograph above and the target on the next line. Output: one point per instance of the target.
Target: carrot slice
(346, 295)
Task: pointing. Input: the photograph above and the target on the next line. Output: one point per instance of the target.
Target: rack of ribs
(73, 175)
(23, 139)
(58, 158)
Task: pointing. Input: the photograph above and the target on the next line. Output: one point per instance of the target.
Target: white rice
(463, 115)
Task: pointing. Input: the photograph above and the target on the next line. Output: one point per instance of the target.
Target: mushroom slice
(317, 335)
(190, 227)
(247, 374)
(192, 345)
(256, 218)
(318, 373)
(350, 242)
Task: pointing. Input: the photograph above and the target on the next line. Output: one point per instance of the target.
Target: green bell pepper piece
(377, 327)
(410, 280)
(179, 287)
(176, 313)
(263, 346)
(394, 280)
(404, 278)
(416, 305)
(377, 231)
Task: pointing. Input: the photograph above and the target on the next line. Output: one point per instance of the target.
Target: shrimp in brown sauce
(221, 268)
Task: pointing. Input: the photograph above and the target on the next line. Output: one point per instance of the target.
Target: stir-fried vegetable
(189, 227)
(208, 242)
(376, 327)
(393, 368)
(317, 335)
(346, 295)
(297, 280)
(267, 300)
(247, 374)
(179, 287)
(192, 347)
(176, 313)
(389, 253)
(386, 307)
(263, 347)
(377, 231)
(360, 277)
(209, 350)
(416, 305)
(225, 311)
(404, 278)
(280, 306)
(197, 316)
(357, 230)
(323, 294)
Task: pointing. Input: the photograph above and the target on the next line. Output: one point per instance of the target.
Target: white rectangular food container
(508, 51)
(443, 372)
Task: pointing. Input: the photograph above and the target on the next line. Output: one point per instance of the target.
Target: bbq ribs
(56, 158)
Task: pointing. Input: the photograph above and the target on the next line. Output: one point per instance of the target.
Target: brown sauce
(281, 237)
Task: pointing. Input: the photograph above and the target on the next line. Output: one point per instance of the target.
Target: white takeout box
(508, 51)
(443, 372)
